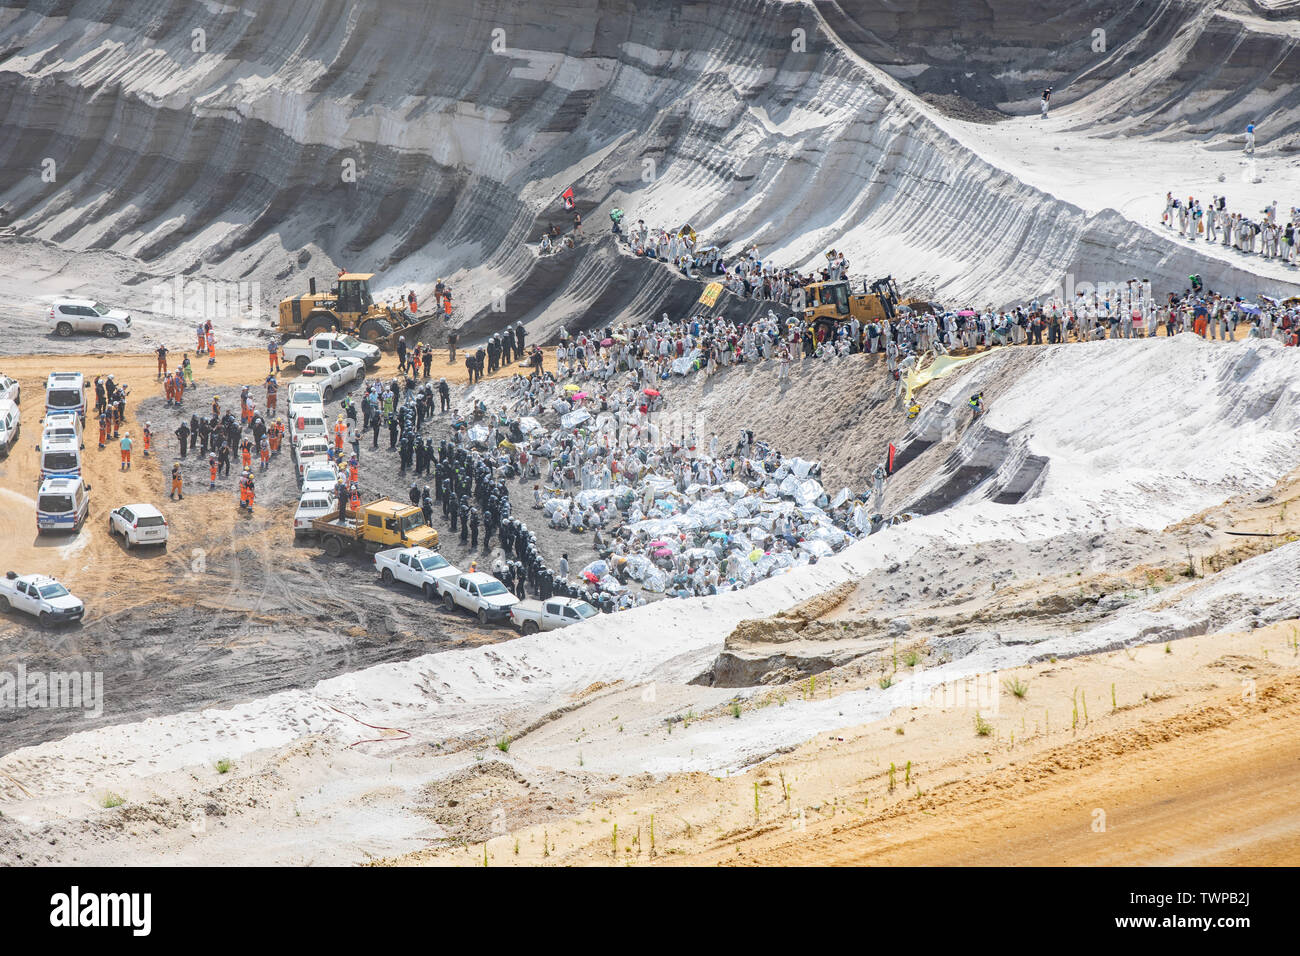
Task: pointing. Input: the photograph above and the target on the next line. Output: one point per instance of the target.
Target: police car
(62, 504)
(40, 596)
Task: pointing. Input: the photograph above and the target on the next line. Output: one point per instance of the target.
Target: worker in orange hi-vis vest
(177, 482)
(353, 472)
(178, 386)
(125, 445)
(169, 389)
(252, 491)
(446, 301)
(264, 452)
(340, 431)
(200, 333)
(354, 505)
(273, 435)
(243, 490)
(212, 347)
(246, 453)
(411, 301)
(148, 438)
(212, 471)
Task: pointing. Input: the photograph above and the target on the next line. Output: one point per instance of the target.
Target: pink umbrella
(580, 396)
(606, 342)
(652, 392)
(659, 544)
(966, 312)
(663, 553)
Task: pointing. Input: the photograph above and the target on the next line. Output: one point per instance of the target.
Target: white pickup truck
(533, 616)
(40, 596)
(480, 594)
(421, 567)
(302, 352)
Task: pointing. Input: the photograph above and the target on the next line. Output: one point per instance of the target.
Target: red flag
(889, 469)
(567, 196)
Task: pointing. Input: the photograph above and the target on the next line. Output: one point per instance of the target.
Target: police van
(60, 457)
(62, 504)
(65, 392)
(9, 424)
(62, 425)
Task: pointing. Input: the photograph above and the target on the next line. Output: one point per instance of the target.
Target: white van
(60, 458)
(10, 423)
(62, 425)
(65, 392)
(62, 504)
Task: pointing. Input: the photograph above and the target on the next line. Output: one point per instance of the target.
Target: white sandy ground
(1140, 434)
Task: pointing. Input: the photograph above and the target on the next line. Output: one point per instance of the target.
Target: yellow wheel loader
(348, 307)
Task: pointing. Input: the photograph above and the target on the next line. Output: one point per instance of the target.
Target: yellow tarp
(710, 294)
(941, 366)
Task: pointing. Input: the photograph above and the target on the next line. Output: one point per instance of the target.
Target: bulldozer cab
(353, 294)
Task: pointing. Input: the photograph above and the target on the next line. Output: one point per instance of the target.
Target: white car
(307, 423)
(312, 505)
(313, 450)
(10, 424)
(10, 390)
(138, 524)
(302, 394)
(40, 596)
(479, 593)
(333, 373)
(302, 352)
(421, 567)
(533, 616)
(87, 315)
(318, 475)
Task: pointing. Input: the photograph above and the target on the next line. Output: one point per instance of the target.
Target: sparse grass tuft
(886, 682)
(223, 765)
(982, 727)
(112, 800)
(1016, 687)
(503, 744)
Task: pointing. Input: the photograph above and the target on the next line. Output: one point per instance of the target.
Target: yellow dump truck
(382, 524)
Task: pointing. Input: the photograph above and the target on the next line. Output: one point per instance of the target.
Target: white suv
(138, 524)
(87, 315)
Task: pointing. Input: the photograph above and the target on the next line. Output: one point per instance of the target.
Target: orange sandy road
(234, 367)
(1216, 784)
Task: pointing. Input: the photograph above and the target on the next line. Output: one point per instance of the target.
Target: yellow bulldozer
(347, 307)
(826, 304)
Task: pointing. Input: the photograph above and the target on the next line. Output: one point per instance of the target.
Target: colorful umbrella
(571, 387)
(652, 392)
(593, 578)
(606, 343)
(663, 553)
